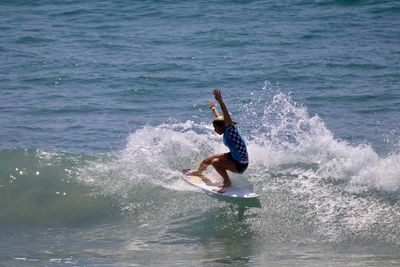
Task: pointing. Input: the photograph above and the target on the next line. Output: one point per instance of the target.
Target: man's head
(219, 125)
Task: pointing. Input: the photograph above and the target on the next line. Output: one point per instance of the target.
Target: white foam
(278, 132)
(282, 133)
(326, 174)
(323, 173)
(154, 155)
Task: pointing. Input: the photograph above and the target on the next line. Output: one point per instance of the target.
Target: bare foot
(193, 172)
(223, 187)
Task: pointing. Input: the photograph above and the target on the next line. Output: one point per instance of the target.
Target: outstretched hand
(227, 117)
(217, 94)
(212, 104)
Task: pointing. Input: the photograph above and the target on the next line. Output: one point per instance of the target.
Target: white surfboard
(209, 185)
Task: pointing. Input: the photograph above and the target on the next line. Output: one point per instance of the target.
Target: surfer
(237, 159)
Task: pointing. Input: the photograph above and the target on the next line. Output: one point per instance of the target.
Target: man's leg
(205, 163)
(222, 165)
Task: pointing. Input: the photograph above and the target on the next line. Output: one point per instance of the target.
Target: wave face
(312, 186)
(40, 188)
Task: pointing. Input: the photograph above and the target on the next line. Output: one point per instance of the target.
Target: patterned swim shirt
(236, 144)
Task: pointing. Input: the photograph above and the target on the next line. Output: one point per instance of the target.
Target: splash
(281, 132)
(153, 155)
(347, 190)
(342, 191)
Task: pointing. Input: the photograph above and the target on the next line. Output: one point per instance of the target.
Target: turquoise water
(104, 102)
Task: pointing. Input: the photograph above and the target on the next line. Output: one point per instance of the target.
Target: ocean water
(103, 103)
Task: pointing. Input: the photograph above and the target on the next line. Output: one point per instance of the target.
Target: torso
(236, 144)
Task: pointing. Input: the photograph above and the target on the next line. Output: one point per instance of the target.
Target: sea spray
(312, 186)
(280, 134)
(280, 131)
(325, 174)
(153, 155)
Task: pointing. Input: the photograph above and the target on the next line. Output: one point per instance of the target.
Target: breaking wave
(312, 186)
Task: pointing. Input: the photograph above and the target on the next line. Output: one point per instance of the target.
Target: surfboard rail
(210, 186)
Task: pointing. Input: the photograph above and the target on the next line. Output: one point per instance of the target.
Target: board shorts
(240, 167)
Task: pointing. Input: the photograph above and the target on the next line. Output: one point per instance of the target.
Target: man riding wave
(237, 159)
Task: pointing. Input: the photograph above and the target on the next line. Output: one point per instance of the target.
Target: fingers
(217, 94)
(212, 104)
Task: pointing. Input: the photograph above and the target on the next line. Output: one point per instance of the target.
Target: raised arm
(214, 109)
(218, 97)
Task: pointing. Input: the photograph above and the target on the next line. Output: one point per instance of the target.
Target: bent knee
(216, 162)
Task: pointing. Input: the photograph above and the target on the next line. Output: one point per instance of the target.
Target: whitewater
(315, 190)
(103, 103)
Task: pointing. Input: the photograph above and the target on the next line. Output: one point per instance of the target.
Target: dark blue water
(103, 102)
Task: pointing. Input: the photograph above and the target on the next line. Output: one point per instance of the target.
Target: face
(219, 129)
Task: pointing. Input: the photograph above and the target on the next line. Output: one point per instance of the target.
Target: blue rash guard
(237, 147)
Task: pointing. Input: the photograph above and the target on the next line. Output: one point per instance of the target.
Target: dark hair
(219, 123)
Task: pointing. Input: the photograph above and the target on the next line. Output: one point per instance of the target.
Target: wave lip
(282, 132)
(343, 191)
